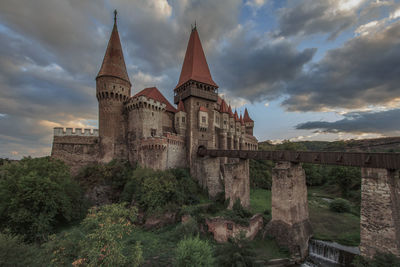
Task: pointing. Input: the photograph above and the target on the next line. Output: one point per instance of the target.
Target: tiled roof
(236, 116)
(113, 62)
(223, 108)
(230, 111)
(155, 94)
(195, 65)
(241, 120)
(246, 117)
(203, 109)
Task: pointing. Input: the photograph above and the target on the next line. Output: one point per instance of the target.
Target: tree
(37, 196)
(193, 251)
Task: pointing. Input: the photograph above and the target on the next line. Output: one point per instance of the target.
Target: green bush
(15, 253)
(340, 205)
(153, 190)
(193, 251)
(37, 196)
(236, 252)
(260, 174)
(115, 173)
(189, 228)
(104, 243)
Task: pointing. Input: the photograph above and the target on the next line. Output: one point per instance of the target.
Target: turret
(248, 122)
(113, 88)
(181, 119)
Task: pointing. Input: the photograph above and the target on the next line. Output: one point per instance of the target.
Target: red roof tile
(203, 109)
(246, 117)
(181, 107)
(241, 120)
(195, 65)
(223, 108)
(230, 111)
(155, 94)
(236, 116)
(113, 62)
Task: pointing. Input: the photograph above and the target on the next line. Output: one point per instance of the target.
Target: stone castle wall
(76, 148)
(237, 182)
(380, 212)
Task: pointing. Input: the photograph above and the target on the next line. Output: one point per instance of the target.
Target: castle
(147, 129)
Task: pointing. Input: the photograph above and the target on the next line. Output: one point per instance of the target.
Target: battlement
(144, 102)
(59, 131)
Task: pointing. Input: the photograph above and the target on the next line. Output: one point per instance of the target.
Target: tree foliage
(37, 196)
(237, 252)
(193, 251)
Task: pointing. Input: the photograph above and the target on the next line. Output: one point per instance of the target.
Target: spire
(195, 65)
(230, 111)
(181, 107)
(223, 108)
(241, 120)
(113, 62)
(236, 116)
(246, 117)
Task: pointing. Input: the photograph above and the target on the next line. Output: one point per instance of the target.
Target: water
(329, 254)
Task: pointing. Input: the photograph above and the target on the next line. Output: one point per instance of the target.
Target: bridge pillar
(237, 182)
(290, 223)
(380, 212)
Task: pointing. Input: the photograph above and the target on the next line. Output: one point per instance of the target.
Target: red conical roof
(236, 116)
(223, 108)
(181, 107)
(230, 111)
(155, 94)
(195, 65)
(241, 120)
(113, 62)
(246, 117)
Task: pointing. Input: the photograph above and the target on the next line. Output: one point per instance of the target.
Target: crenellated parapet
(60, 131)
(143, 102)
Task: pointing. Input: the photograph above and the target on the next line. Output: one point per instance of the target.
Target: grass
(260, 200)
(343, 228)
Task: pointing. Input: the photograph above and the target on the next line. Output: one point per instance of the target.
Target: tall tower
(198, 92)
(113, 88)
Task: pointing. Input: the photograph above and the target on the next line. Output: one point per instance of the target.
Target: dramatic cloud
(365, 71)
(386, 122)
(255, 67)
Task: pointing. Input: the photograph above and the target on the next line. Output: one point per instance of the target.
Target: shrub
(152, 189)
(38, 195)
(339, 205)
(14, 252)
(189, 228)
(104, 244)
(236, 252)
(193, 251)
(115, 173)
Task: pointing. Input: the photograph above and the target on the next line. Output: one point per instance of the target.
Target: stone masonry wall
(76, 151)
(290, 220)
(237, 182)
(380, 212)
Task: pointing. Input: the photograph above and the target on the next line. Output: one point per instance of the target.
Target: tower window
(153, 132)
(197, 103)
(113, 86)
(183, 119)
(203, 119)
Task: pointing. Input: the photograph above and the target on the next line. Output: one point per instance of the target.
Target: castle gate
(380, 196)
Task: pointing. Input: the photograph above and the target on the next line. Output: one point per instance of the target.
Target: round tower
(113, 88)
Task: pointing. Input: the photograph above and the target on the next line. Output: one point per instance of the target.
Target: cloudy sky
(305, 69)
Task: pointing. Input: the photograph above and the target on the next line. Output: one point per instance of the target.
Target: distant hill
(387, 144)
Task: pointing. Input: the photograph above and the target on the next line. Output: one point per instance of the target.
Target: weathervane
(115, 16)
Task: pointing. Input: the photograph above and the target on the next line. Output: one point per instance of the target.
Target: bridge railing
(356, 159)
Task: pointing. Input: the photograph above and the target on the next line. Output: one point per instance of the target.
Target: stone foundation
(380, 212)
(237, 182)
(290, 220)
(222, 229)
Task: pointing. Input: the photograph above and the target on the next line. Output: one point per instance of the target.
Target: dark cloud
(386, 122)
(365, 71)
(256, 67)
(309, 17)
